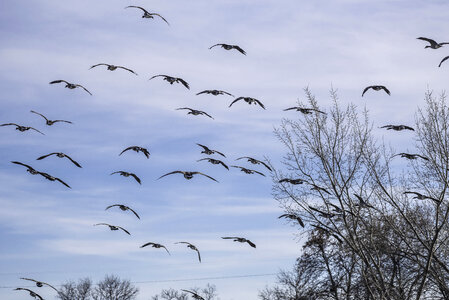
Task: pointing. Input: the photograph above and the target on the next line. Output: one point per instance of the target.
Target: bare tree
(80, 290)
(207, 293)
(367, 237)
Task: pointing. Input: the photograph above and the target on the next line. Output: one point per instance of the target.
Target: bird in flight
(194, 295)
(215, 162)
(306, 111)
(49, 122)
(215, 92)
(255, 162)
(208, 151)
(52, 178)
(322, 213)
(137, 149)
(127, 174)
(40, 283)
(193, 247)
(21, 128)
(376, 88)
(155, 245)
(363, 203)
(248, 171)
(172, 80)
(248, 100)
(70, 85)
(30, 169)
(113, 67)
(60, 155)
(32, 294)
(432, 43)
(397, 127)
(124, 208)
(195, 112)
(293, 217)
(443, 60)
(229, 47)
(113, 227)
(318, 188)
(292, 181)
(33, 171)
(187, 175)
(240, 240)
(420, 196)
(410, 156)
(148, 15)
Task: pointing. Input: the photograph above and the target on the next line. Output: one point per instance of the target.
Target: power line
(176, 280)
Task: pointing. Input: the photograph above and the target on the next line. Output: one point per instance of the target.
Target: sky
(46, 230)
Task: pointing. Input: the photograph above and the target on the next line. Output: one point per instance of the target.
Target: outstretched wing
(79, 85)
(134, 212)
(37, 130)
(409, 128)
(203, 92)
(58, 81)
(444, 59)
(259, 173)
(251, 243)
(143, 9)
(184, 108)
(129, 70)
(224, 165)
(166, 249)
(239, 49)
(260, 103)
(432, 42)
(158, 76)
(154, 14)
(291, 108)
(98, 65)
(56, 178)
(385, 89)
(22, 164)
(235, 100)
(147, 244)
(218, 152)
(205, 175)
(204, 147)
(366, 89)
(54, 121)
(205, 113)
(174, 172)
(124, 230)
(34, 112)
(116, 172)
(44, 156)
(184, 83)
(129, 148)
(265, 165)
(215, 45)
(136, 178)
(423, 157)
(112, 206)
(227, 93)
(73, 161)
(8, 124)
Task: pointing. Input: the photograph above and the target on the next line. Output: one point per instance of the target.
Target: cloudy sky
(46, 229)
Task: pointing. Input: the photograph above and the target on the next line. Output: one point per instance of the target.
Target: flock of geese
(188, 175)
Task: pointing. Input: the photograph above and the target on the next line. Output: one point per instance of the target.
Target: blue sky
(46, 230)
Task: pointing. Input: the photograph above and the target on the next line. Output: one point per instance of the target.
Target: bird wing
(291, 108)
(242, 157)
(34, 112)
(205, 113)
(174, 172)
(317, 210)
(112, 206)
(129, 148)
(432, 42)
(147, 244)
(116, 172)
(444, 59)
(423, 157)
(184, 108)
(230, 237)
(199, 255)
(37, 130)
(166, 249)
(237, 167)
(359, 198)
(54, 121)
(184, 83)
(136, 178)
(318, 111)
(56, 178)
(146, 153)
(129, 70)
(58, 81)
(409, 128)
(154, 14)
(49, 285)
(106, 224)
(22, 164)
(203, 92)
(73, 161)
(385, 89)
(134, 212)
(204, 147)
(79, 85)
(264, 164)
(44, 156)
(102, 64)
(205, 175)
(223, 164)
(143, 9)
(367, 88)
(8, 124)
(239, 49)
(386, 126)
(227, 93)
(158, 76)
(215, 45)
(124, 230)
(259, 173)
(251, 243)
(235, 100)
(218, 152)
(260, 103)
(203, 159)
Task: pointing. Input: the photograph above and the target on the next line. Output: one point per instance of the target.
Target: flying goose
(248, 171)
(442, 61)
(148, 15)
(32, 294)
(322, 213)
(306, 111)
(376, 88)
(229, 47)
(70, 85)
(124, 208)
(318, 188)
(410, 156)
(194, 295)
(193, 247)
(248, 100)
(52, 178)
(255, 162)
(155, 245)
(187, 175)
(433, 44)
(60, 155)
(49, 122)
(127, 174)
(113, 227)
(362, 203)
(208, 151)
(30, 169)
(292, 181)
(113, 67)
(215, 162)
(397, 127)
(420, 196)
(40, 283)
(215, 92)
(293, 217)
(137, 149)
(172, 80)
(195, 112)
(240, 240)
(21, 128)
